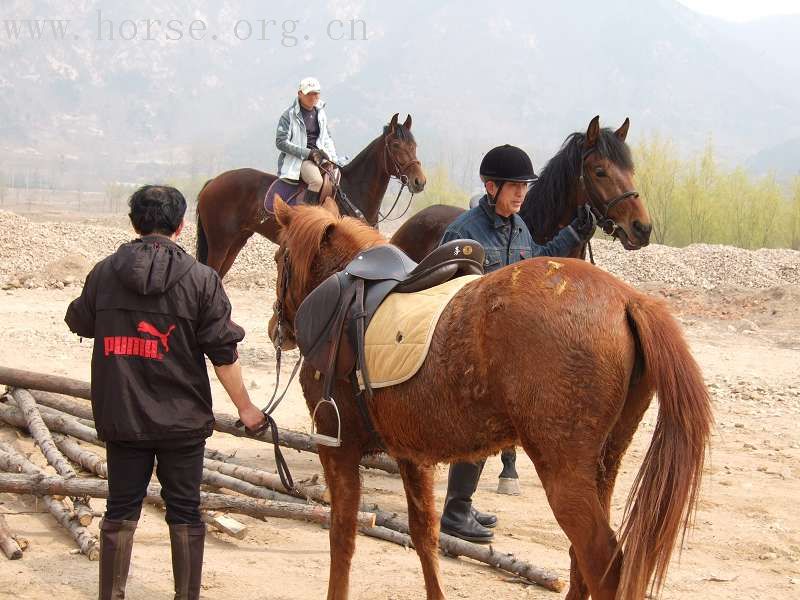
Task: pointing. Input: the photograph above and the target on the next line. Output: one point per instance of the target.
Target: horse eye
(600, 172)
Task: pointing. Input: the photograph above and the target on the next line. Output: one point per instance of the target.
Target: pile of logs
(54, 411)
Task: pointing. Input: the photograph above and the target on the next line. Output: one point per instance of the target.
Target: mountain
(472, 75)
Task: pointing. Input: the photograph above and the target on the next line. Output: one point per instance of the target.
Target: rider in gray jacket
(304, 140)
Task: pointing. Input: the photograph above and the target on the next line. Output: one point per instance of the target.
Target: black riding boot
(116, 544)
(311, 198)
(458, 517)
(187, 543)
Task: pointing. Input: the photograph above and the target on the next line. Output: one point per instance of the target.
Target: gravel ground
(56, 254)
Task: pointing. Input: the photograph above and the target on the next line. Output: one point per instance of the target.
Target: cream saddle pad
(400, 332)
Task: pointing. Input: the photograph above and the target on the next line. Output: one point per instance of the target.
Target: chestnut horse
(559, 357)
(593, 167)
(230, 206)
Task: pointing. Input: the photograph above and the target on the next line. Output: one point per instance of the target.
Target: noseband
(600, 207)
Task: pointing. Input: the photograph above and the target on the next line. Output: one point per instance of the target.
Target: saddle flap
(381, 262)
(290, 192)
(314, 323)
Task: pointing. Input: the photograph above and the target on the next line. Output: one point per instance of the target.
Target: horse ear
(330, 205)
(393, 123)
(407, 124)
(593, 132)
(283, 212)
(622, 132)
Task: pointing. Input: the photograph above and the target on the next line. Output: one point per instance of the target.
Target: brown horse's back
(229, 211)
(495, 351)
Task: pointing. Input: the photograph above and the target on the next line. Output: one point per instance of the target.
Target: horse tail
(201, 250)
(663, 497)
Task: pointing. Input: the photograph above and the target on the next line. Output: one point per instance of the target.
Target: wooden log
(389, 535)
(60, 423)
(453, 546)
(8, 544)
(89, 461)
(11, 460)
(248, 489)
(68, 404)
(217, 461)
(226, 524)
(41, 435)
(40, 485)
(20, 378)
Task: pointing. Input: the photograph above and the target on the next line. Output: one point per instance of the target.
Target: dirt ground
(746, 542)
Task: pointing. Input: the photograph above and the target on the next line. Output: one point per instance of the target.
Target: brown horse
(593, 167)
(560, 357)
(230, 206)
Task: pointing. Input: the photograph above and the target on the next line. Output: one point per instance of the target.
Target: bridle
(275, 400)
(599, 207)
(400, 173)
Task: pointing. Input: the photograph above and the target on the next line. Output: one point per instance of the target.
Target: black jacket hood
(151, 265)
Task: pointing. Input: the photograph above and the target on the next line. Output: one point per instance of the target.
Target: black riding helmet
(507, 163)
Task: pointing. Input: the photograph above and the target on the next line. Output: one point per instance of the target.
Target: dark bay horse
(230, 206)
(558, 356)
(593, 167)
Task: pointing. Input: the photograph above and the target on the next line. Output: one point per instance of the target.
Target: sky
(743, 10)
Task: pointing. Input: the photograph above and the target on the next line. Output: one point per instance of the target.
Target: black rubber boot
(116, 544)
(458, 518)
(188, 542)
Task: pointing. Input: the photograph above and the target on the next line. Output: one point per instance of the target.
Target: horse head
(400, 149)
(606, 184)
(315, 242)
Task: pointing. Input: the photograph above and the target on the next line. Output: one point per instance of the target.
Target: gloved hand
(585, 223)
(318, 156)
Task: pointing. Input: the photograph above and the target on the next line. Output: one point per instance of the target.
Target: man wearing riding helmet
(304, 140)
(506, 172)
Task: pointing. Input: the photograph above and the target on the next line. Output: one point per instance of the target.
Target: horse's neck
(366, 179)
(542, 236)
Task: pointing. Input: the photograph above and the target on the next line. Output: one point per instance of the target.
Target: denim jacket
(505, 241)
(290, 139)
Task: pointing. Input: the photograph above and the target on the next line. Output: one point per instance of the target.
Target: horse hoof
(508, 486)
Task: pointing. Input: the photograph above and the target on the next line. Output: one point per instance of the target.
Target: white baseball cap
(309, 84)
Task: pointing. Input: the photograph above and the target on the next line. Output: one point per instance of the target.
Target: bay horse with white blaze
(230, 206)
(559, 357)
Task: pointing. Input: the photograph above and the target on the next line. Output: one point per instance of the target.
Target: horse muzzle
(637, 237)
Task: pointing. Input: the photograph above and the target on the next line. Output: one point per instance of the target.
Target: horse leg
(341, 474)
(571, 489)
(423, 523)
(639, 397)
(233, 252)
(508, 481)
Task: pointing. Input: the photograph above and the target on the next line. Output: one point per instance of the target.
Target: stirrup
(326, 440)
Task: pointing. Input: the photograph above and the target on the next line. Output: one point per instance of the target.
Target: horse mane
(401, 132)
(548, 198)
(304, 236)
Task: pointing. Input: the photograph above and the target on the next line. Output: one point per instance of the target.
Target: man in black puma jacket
(155, 313)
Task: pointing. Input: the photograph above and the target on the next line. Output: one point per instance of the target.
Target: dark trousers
(179, 470)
